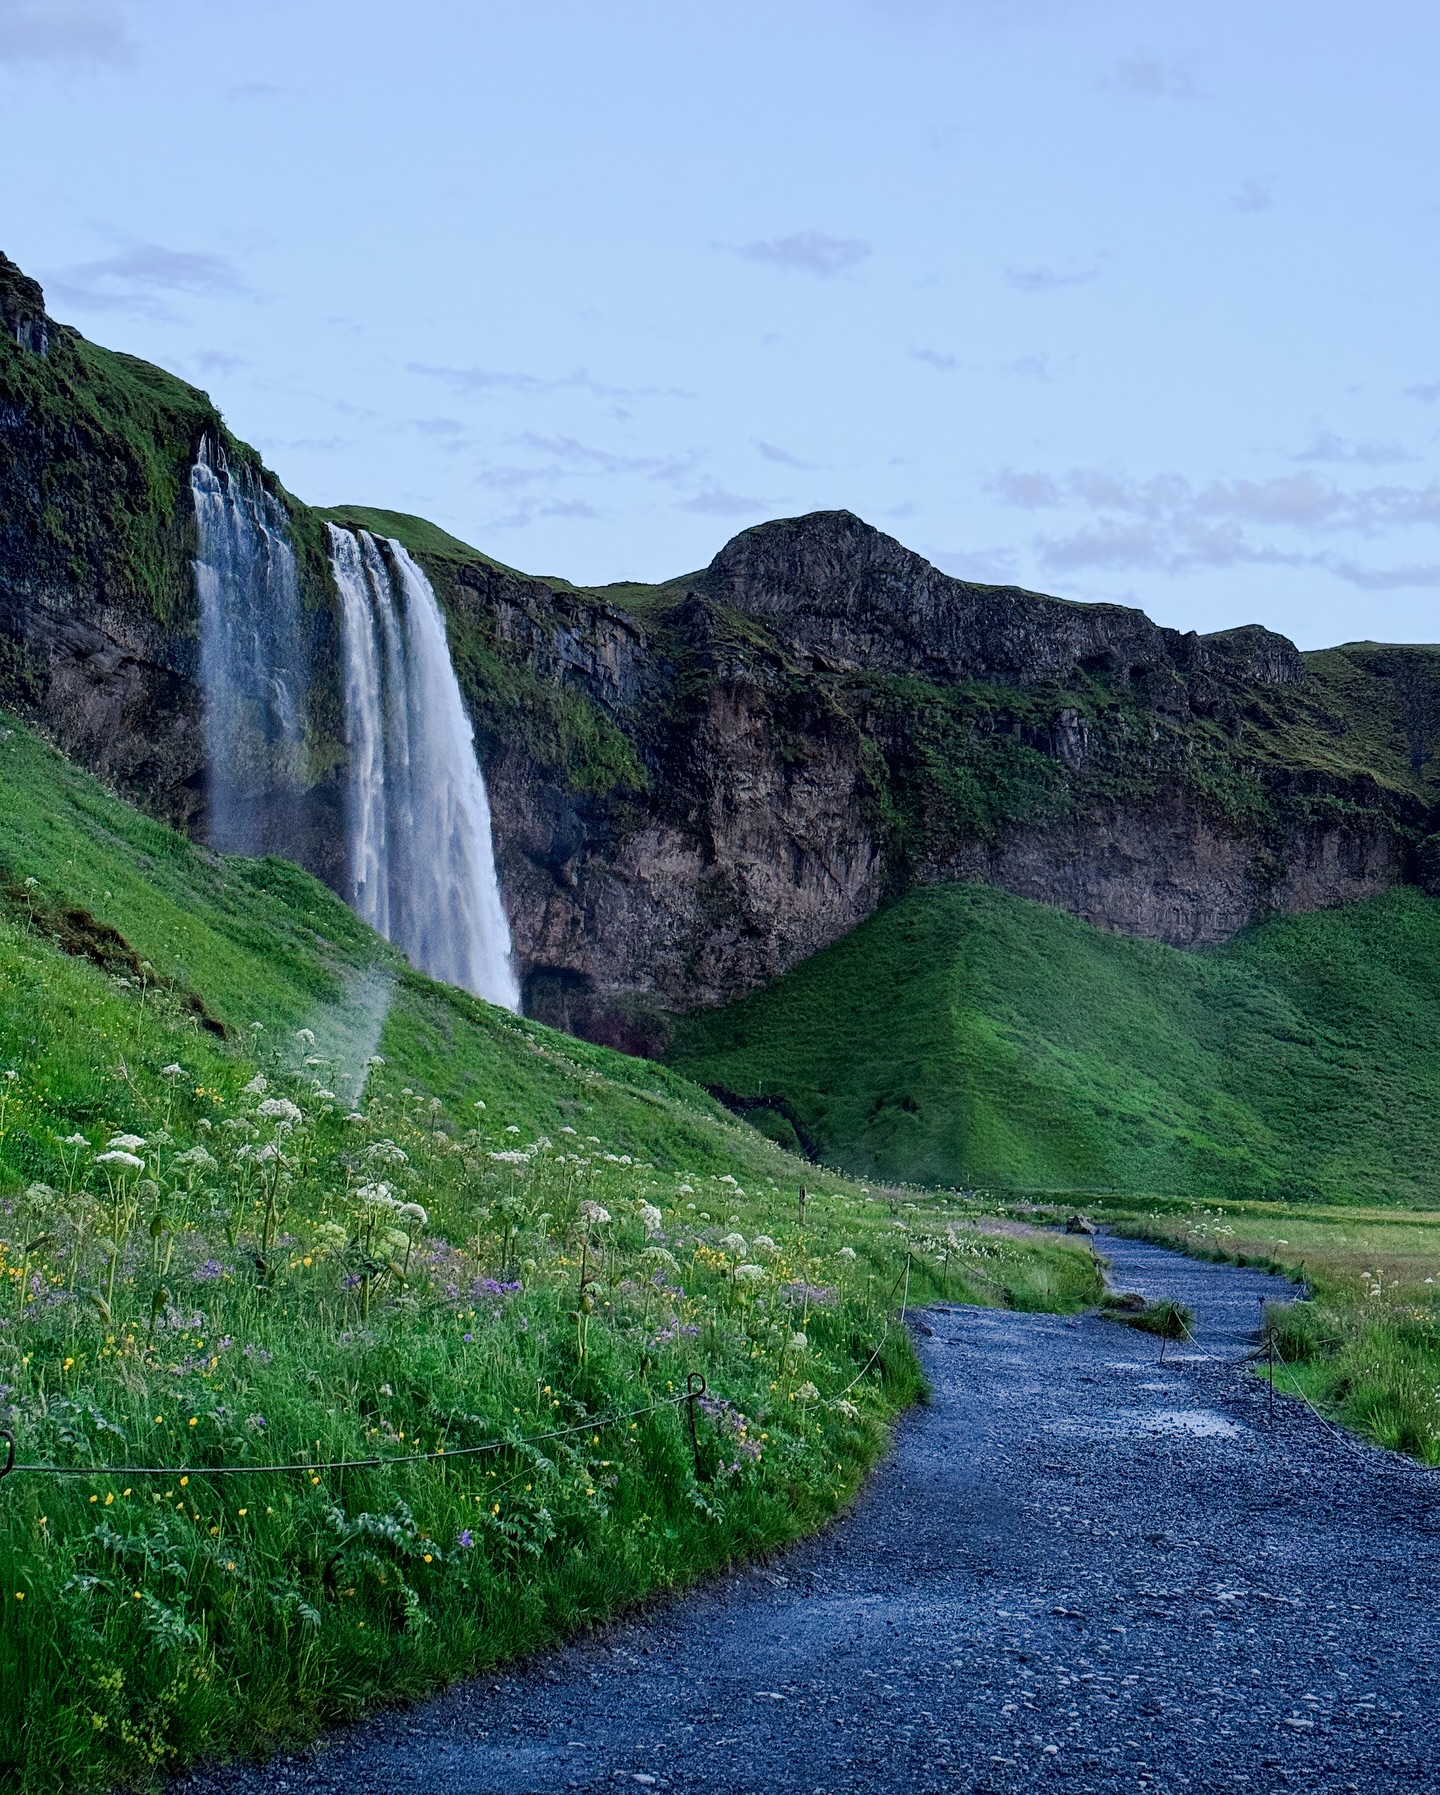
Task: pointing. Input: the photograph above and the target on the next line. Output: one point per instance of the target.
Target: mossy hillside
(965, 1036)
(245, 1284)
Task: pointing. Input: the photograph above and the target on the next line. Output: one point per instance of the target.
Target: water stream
(422, 860)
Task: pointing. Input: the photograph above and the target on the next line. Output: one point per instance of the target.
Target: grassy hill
(268, 1198)
(965, 1036)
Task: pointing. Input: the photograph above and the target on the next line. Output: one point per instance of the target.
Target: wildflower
(414, 1212)
(799, 1342)
(75, 1140)
(807, 1392)
(257, 1424)
(846, 1253)
(174, 1070)
(354, 1116)
(511, 1128)
(649, 1217)
(305, 1037)
(279, 1109)
(126, 1142)
(512, 1158)
(375, 1059)
(257, 1086)
(762, 1243)
(464, 1539)
(750, 1274)
(847, 1410)
(734, 1244)
(208, 1272)
(593, 1215)
(118, 1158)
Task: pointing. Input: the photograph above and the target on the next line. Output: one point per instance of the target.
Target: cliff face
(697, 785)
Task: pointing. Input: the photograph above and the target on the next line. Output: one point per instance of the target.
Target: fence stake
(802, 1205)
(694, 1389)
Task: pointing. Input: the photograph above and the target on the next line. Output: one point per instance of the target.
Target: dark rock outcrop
(698, 785)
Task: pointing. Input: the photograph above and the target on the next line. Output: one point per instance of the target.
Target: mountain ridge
(698, 784)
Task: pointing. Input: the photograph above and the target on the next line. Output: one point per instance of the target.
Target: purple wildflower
(464, 1539)
(208, 1272)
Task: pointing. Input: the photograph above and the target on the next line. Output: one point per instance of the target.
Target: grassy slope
(970, 1037)
(206, 1617)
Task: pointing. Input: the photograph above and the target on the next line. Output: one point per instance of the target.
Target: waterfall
(253, 667)
(422, 858)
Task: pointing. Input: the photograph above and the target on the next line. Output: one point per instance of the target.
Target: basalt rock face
(99, 629)
(697, 785)
(821, 719)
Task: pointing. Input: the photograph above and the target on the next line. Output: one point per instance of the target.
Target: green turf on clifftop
(971, 1037)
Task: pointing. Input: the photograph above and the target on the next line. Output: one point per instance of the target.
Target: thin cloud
(772, 452)
(472, 381)
(1427, 392)
(808, 252)
(716, 502)
(1252, 196)
(1034, 367)
(1328, 447)
(83, 32)
(1152, 78)
(568, 455)
(944, 364)
(135, 279)
(1046, 280)
(1168, 524)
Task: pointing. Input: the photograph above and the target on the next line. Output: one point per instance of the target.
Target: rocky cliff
(697, 785)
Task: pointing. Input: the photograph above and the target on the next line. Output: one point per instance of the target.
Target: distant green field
(967, 1037)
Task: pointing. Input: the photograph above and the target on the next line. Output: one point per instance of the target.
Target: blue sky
(1116, 300)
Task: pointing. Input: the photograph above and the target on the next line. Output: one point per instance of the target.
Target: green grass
(967, 1037)
(567, 1234)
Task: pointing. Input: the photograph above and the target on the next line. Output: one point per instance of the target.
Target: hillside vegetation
(967, 1037)
(269, 1198)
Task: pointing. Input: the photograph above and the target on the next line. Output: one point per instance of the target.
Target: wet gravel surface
(1078, 1568)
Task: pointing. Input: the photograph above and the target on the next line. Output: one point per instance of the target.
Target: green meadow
(272, 1203)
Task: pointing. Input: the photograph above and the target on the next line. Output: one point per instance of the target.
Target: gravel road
(1077, 1568)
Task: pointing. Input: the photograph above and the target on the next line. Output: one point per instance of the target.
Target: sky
(1117, 299)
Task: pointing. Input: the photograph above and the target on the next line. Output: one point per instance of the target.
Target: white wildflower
(749, 1274)
(734, 1244)
(846, 1410)
(593, 1215)
(799, 1342)
(511, 1128)
(385, 1152)
(197, 1157)
(75, 1140)
(305, 1036)
(173, 1070)
(762, 1243)
(329, 1237)
(257, 1086)
(414, 1212)
(846, 1253)
(375, 1059)
(512, 1158)
(127, 1143)
(649, 1218)
(118, 1158)
(807, 1392)
(660, 1257)
(279, 1109)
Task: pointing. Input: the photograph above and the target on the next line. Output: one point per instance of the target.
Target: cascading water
(253, 666)
(422, 857)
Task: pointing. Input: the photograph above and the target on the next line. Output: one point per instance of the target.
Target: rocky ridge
(699, 784)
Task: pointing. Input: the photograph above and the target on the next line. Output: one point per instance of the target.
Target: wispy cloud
(1426, 391)
(772, 452)
(944, 364)
(64, 31)
(136, 279)
(1167, 523)
(1046, 280)
(1252, 196)
(808, 252)
(1153, 78)
(475, 381)
(1034, 367)
(714, 501)
(1327, 446)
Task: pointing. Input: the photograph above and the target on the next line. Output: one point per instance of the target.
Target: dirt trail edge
(1078, 1568)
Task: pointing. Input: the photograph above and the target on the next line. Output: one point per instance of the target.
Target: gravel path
(1077, 1568)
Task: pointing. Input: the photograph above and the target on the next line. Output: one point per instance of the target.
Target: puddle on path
(1134, 1424)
